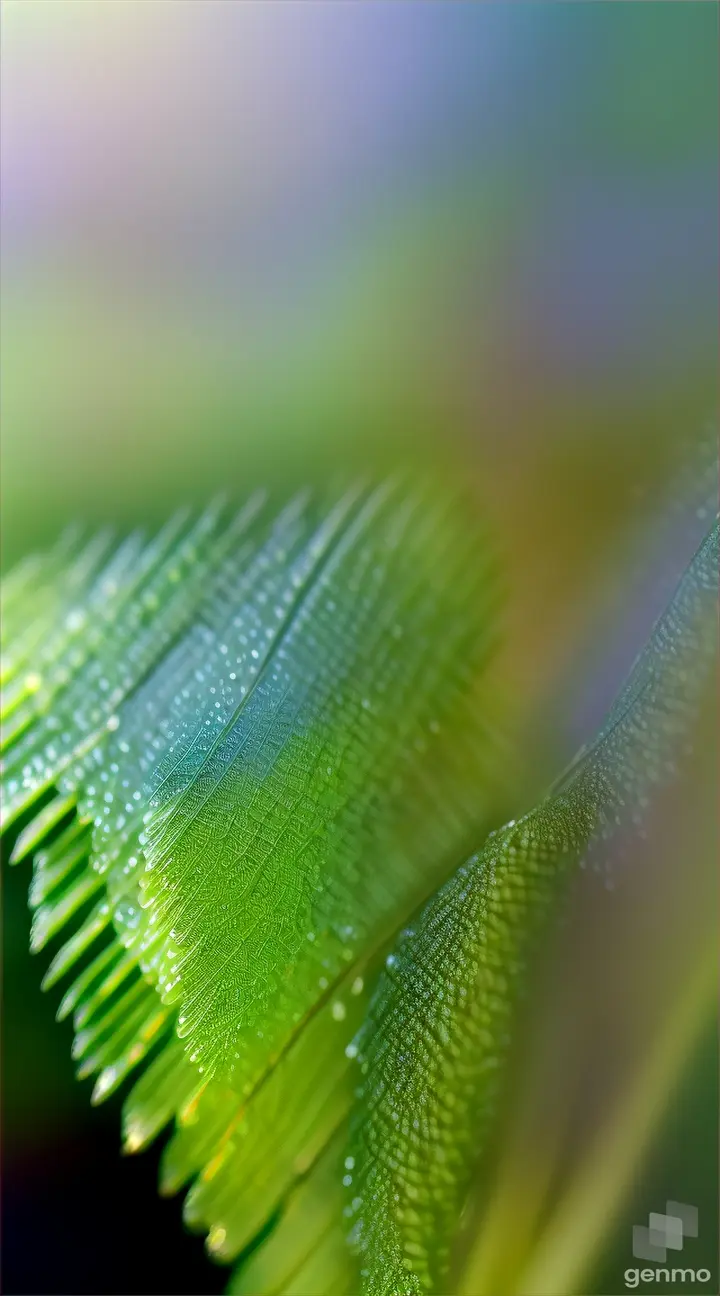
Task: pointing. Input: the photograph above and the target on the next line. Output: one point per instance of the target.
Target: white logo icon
(665, 1232)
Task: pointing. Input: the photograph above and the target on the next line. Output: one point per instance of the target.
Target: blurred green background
(247, 242)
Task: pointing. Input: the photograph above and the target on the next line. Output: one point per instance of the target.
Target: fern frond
(250, 748)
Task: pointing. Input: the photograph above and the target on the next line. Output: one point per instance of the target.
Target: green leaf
(433, 1047)
(263, 837)
(272, 727)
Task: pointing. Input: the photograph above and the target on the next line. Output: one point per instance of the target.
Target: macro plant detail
(246, 757)
(440, 1021)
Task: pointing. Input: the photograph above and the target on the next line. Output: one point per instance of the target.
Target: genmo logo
(665, 1232)
(633, 1277)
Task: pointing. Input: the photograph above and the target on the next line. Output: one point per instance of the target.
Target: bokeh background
(249, 242)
